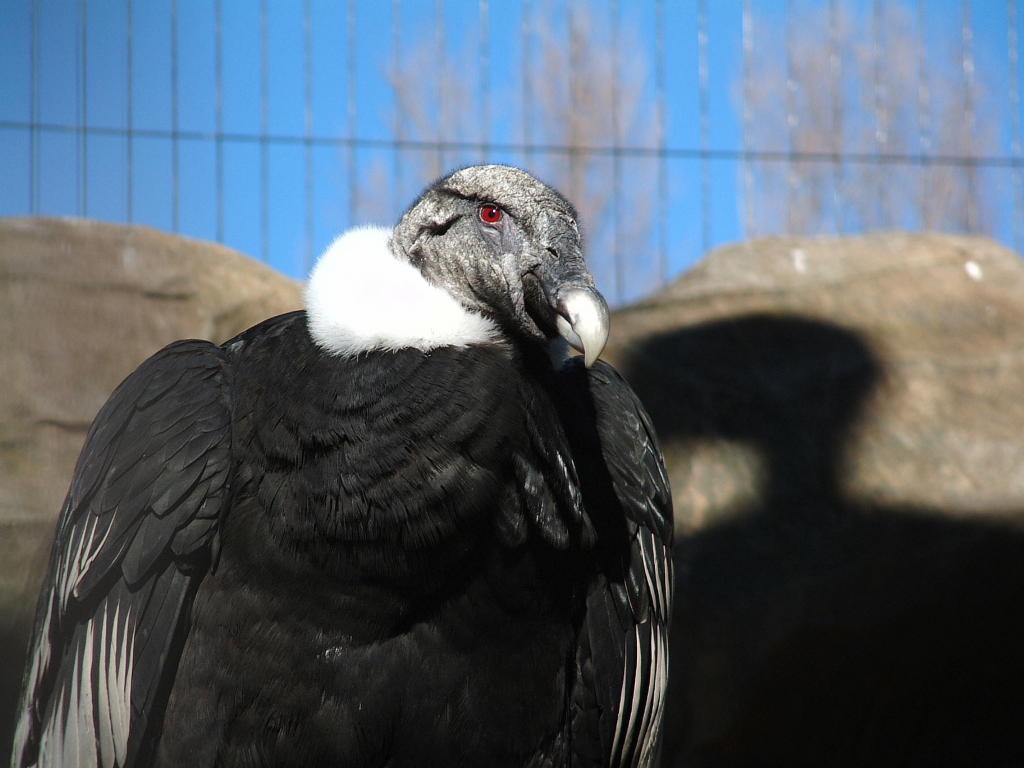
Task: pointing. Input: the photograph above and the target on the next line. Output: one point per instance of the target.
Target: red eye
(490, 214)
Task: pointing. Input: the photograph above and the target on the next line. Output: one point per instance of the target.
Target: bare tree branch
(859, 87)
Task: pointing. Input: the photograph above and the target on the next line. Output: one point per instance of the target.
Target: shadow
(809, 628)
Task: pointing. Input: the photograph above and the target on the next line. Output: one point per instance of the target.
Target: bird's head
(508, 247)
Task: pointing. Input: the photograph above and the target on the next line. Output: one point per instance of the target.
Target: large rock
(935, 324)
(82, 303)
(844, 427)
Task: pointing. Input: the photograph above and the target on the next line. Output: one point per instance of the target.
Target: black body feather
(458, 554)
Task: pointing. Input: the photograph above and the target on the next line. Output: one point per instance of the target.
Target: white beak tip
(583, 321)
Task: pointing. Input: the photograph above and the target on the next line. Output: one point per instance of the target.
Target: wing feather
(105, 727)
(118, 701)
(144, 502)
(626, 494)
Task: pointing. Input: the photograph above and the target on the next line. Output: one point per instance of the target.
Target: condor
(403, 527)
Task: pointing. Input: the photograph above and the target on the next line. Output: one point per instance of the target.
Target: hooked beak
(582, 320)
(568, 303)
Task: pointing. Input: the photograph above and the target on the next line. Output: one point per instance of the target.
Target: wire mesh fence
(674, 126)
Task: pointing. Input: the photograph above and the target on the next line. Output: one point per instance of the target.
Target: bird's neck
(362, 297)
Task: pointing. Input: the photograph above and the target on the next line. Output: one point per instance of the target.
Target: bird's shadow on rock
(811, 628)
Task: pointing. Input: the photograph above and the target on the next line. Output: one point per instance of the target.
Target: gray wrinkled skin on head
(442, 235)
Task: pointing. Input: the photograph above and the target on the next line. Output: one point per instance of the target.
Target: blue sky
(103, 193)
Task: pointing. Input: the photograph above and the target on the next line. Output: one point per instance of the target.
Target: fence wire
(689, 196)
(1013, 60)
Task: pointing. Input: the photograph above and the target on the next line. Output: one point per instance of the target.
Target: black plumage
(414, 552)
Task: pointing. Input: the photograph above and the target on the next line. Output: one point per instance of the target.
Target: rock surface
(939, 319)
(82, 303)
(845, 436)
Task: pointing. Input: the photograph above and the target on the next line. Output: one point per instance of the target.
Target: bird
(405, 525)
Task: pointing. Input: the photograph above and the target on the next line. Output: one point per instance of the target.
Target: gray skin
(524, 271)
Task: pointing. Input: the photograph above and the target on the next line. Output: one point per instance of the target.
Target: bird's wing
(622, 658)
(135, 535)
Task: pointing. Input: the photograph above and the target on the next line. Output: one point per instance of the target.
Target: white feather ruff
(361, 297)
